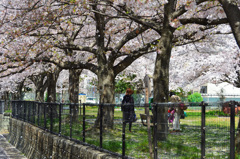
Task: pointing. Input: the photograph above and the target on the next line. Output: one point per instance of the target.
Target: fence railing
(206, 130)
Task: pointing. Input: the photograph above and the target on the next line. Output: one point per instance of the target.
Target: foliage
(216, 113)
(8, 111)
(181, 93)
(46, 97)
(124, 81)
(195, 98)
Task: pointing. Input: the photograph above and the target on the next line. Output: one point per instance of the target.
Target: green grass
(182, 145)
(8, 111)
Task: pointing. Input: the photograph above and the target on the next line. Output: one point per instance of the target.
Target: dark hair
(171, 93)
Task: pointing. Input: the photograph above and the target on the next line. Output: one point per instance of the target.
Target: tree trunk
(52, 78)
(232, 11)
(51, 91)
(39, 93)
(6, 101)
(161, 91)
(74, 90)
(161, 71)
(18, 95)
(40, 85)
(106, 88)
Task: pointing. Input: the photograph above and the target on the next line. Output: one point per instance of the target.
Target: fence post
(71, 118)
(203, 129)
(84, 122)
(101, 124)
(33, 111)
(232, 130)
(38, 113)
(80, 106)
(17, 109)
(51, 117)
(123, 139)
(29, 110)
(44, 115)
(155, 130)
(13, 109)
(24, 111)
(60, 119)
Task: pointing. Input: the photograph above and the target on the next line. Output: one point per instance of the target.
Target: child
(171, 112)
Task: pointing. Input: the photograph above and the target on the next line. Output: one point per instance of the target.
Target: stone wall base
(36, 143)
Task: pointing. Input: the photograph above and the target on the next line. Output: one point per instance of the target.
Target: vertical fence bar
(80, 106)
(84, 122)
(232, 130)
(33, 112)
(13, 109)
(51, 117)
(60, 119)
(71, 118)
(203, 128)
(123, 136)
(44, 114)
(29, 110)
(155, 130)
(17, 109)
(24, 110)
(101, 124)
(38, 114)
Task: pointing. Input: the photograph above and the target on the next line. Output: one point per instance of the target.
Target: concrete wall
(38, 144)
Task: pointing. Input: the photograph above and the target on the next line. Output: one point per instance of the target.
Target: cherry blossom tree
(177, 22)
(197, 65)
(82, 29)
(95, 30)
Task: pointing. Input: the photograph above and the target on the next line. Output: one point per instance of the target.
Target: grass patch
(184, 145)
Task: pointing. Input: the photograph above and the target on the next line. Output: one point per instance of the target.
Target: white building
(216, 89)
(214, 92)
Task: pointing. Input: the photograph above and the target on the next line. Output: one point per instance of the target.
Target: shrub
(195, 98)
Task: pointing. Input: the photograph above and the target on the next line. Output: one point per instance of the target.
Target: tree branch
(203, 21)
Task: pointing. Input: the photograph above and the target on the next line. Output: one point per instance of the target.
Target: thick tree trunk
(19, 94)
(73, 90)
(51, 82)
(39, 93)
(233, 15)
(6, 101)
(161, 71)
(51, 91)
(41, 85)
(161, 92)
(106, 89)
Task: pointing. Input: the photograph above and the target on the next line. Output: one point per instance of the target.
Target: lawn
(185, 144)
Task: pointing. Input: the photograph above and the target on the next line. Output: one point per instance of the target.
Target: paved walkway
(7, 151)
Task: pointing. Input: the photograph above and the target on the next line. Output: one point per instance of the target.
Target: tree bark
(73, 90)
(161, 71)
(19, 94)
(233, 15)
(41, 85)
(52, 78)
(106, 88)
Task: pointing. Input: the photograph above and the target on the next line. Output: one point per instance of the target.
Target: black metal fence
(206, 130)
